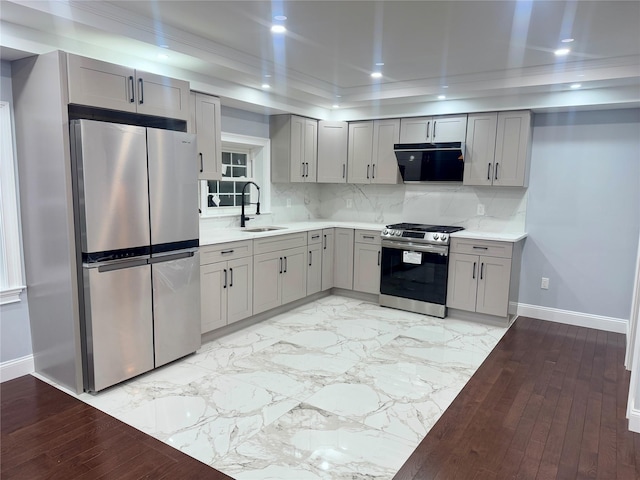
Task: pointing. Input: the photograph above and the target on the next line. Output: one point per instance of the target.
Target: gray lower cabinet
(226, 285)
(343, 258)
(480, 282)
(314, 262)
(366, 261)
(327, 258)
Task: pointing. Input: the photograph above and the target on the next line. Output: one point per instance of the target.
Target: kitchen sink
(263, 229)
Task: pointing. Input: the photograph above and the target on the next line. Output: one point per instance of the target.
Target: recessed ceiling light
(267, 76)
(338, 96)
(266, 85)
(442, 97)
(335, 106)
(575, 85)
(445, 86)
(164, 45)
(376, 75)
(567, 40)
(379, 64)
(562, 52)
(163, 56)
(280, 18)
(278, 29)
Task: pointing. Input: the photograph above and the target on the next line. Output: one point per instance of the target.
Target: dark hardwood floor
(548, 403)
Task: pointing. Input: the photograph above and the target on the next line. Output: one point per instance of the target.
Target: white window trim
(11, 278)
(261, 175)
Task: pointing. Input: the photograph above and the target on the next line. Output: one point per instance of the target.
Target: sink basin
(263, 229)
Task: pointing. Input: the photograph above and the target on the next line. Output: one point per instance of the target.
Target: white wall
(583, 212)
(15, 331)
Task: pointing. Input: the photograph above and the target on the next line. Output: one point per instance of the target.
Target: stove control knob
(397, 233)
(443, 237)
(436, 236)
(385, 231)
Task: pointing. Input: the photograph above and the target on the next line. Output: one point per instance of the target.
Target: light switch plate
(544, 284)
(480, 209)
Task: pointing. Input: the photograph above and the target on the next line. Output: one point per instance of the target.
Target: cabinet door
(213, 296)
(512, 148)
(462, 284)
(314, 268)
(101, 84)
(385, 166)
(343, 258)
(332, 151)
(449, 128)
(480, 148)
(240, 289)
(415, 130)
(493, 286)
(310, 149)
(327, 258)
(360, 152)
(297, 165)
(294, 275)
(162, 96)
(207, 127)
(267, 268)
(366, 268)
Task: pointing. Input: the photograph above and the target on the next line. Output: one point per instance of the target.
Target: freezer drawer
(118, 322)
(176, 305)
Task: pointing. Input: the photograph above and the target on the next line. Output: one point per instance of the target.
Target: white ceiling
(489, 55)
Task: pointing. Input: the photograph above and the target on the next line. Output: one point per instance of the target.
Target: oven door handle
(412, 247)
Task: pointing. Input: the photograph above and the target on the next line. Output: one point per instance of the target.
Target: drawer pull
(313, 237)
(480, 248)
(370, 237)
(225, 252)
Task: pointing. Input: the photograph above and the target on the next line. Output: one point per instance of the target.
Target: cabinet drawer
(225, 251)
(279, 242)
(314, 236)
(371, 237)
(482, 247)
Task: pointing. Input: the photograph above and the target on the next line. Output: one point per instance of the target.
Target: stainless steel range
(415, 260)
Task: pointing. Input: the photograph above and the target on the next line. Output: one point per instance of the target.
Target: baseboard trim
(16, 368)
(634, 420)
(598, 322)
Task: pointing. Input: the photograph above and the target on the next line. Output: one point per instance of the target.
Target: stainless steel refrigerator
(136, 207)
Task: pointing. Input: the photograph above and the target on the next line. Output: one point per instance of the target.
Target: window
(244, 159)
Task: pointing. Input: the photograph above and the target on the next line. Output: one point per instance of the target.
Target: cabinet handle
(313, 237)
(373, 171)
(302, 169)
(140, 91)
(480, 248)
(496, 177)
(434, 130)
(225, 252)
(231, 273)
(325, 243)
(481, 270)
(285, 264)
(344, 169)
(367, 171)
(132, 86)
(201, 163)
(428, 126)
(225, 278)
(310, 257)
(474, 270)
(489, 171)
(368, 236)
(378, 257)
(280, 264)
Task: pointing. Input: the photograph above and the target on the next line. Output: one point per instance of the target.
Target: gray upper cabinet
(370, 151)
(294, 148)
(106, 85)
(498, 149)
(205, 123)
(332, 151)
(437, 129)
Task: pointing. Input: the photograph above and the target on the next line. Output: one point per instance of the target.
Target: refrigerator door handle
(121, 265)
(170, 256)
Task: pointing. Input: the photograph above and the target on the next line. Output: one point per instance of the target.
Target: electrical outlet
(288, 203)
(349, 203)
(544, 284)
(480, 209)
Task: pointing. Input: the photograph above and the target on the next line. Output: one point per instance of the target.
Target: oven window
(419, 275)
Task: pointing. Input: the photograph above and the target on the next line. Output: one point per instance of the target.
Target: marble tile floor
(335, 389)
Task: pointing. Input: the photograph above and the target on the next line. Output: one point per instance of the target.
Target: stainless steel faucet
(243, 219)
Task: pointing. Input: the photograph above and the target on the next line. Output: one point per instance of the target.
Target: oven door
(414, 271)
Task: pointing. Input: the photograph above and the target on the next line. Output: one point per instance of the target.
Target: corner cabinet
(294, 148)
(226, 283)
(498, 149)
(343, 258)
(205, 123)
(438, 129)
(327, 258)
(366, 261)
(106, 85)
(314, 265)
(332, 151)
(483, 276)
(370, 152)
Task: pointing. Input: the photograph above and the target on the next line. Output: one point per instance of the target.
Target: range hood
(430, 162)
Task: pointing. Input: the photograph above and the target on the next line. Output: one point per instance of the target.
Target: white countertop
(222, 235)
